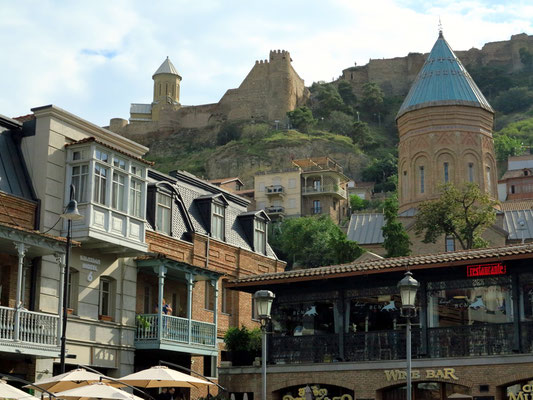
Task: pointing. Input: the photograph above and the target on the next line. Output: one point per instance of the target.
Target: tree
(229, 131)
(339, 123)
(463, 213)
(361, 135)
(357, 203)
(327, 99)
(526, 57)
(313, 242)
(506, 146)
(345, 90)
(372, 97)
(301, 118)
(382, 171)
(513, 100)
(396, 239)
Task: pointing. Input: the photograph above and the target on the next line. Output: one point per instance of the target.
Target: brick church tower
(445, 126)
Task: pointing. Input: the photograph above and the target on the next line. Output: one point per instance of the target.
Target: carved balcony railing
(175, 329)
(34, 327)
(380, 345)
(303, 349)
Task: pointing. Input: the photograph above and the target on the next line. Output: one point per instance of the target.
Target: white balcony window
(100, 183)
(119, 187)
(101, 155)
(136, 198)
(259, 236)
(80, 174)
(218, 221)
(119, 163)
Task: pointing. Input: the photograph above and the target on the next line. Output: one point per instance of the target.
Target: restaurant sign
(400, 374)
(474, 271)
(318, 394)
(525, 394)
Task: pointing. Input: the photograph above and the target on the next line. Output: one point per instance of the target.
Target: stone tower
(166, 87)
(445, 127)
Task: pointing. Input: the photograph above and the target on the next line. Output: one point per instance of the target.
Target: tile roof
(516, 205)
(62, 239)
(166, 68)
(93, 139)
(390, 264)
(366, 228)
(519, 224)
(443, 80)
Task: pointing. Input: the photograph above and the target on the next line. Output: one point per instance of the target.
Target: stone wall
(395, 75)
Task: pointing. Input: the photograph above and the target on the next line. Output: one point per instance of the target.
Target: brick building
(339, 331)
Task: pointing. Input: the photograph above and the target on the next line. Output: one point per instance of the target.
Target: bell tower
(445, 126)
(166, 83)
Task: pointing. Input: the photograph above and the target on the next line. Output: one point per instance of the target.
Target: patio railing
(35, 327)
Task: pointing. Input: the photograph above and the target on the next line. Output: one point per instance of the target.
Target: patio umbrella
(10, 392)
(161, 376)
(69, 380)
(98, 390)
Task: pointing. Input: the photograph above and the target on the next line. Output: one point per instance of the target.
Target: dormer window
(259, 236)
(218, 221)
(163, 213)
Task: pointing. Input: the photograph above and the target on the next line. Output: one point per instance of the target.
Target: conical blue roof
(443, 81)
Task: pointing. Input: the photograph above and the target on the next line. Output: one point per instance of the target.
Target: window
(261, 187)
(317, 209)
(210, 366)
(147, 300)
(292, 203)
(259, 236)
(217, 221)
(489, 181)
(72, 290)
(117, 198)
(526, 297)
(135, 198)
(450, 243)
(446, 172)
(136, 170)
(512, 189)
(80, 175)
(306, 318)
(261, 205)
(375, 312)
(79, 155)
(422, 183)
(255, 316)
(100, 183)
(226, 298)
(163, 218)
(106, 297)
(470, 172)
(100, 155)
(119, 163)
(292, 183)
(209, 296)
(316, 185)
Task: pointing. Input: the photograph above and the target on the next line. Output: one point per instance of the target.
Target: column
(190, 285)
(60, 259)
(21, 250)
(214, 282)
(161, 273)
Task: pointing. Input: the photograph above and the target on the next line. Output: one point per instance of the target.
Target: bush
(514, 99)
(243, 339)
(228, 131)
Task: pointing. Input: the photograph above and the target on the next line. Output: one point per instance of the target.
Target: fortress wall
(196, 116)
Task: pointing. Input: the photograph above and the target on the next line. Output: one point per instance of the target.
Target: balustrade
(35, 327)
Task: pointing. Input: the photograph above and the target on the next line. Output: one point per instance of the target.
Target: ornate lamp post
(71, 214)
(263, 303)
(408, 288)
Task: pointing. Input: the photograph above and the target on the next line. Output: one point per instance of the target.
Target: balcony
(333, 190)
(278, 211)
(37, 333)
(178, 334)
(275, 190)
(461, 341)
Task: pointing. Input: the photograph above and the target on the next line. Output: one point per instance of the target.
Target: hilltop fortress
(396, 75)
(269, 90)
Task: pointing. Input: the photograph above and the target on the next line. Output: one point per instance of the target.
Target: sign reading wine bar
(474, 271)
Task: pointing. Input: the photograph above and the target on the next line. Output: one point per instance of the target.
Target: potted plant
(243, 345)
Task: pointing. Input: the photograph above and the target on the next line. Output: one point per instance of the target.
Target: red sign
(485, 270)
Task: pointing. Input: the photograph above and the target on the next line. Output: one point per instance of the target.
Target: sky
(93, 58)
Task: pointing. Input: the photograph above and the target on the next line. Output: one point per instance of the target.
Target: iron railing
(324, 189)
(301, 349)
(35, 327)
(175, 329)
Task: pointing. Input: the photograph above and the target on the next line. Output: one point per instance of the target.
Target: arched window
(422, 179)
(446, 172)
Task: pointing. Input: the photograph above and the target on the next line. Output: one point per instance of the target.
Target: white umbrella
(69, 380)
(98, 390)
(161, 376)
(10, 392)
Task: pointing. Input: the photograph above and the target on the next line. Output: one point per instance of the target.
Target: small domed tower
(166, 84)
(445, 127)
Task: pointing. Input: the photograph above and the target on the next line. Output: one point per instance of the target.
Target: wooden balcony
(177, 334)
(30, 332)
(333, 190)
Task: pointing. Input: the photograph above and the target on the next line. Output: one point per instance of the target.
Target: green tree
(382, 171)
(361, 135)
(463, 213)
(228, 131)
(526, 57)
(301, 118)
(313, 242)
(339, 123)
(345, 90)
(513, 100)
(372, 99)
(357, 203)
(396, 239)
(506, 146)
(326, 100)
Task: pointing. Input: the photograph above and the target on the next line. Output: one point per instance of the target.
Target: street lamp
(408, 288)
(263, 303)
(71, 213)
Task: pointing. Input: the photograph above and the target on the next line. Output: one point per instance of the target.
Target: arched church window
(470, 172)
(446, 172)
(422, 177)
